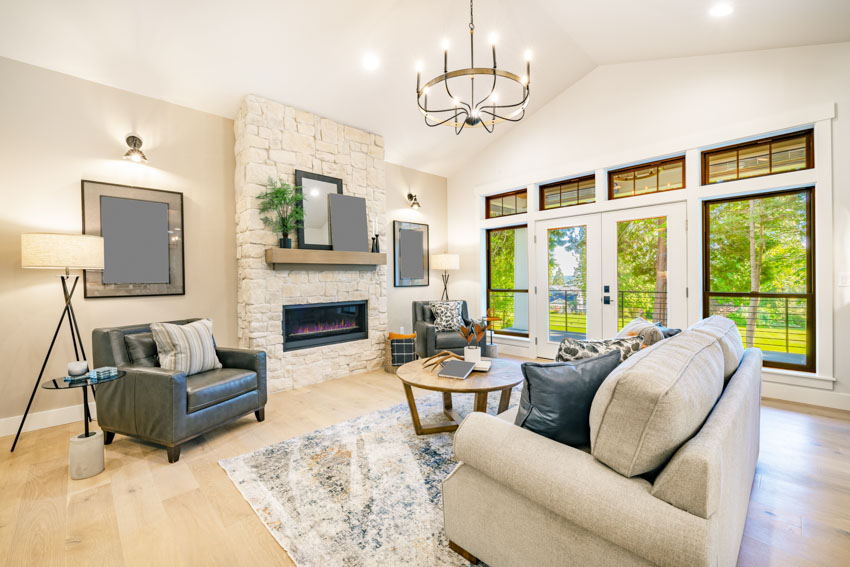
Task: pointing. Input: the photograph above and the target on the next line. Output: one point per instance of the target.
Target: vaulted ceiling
(208, 54)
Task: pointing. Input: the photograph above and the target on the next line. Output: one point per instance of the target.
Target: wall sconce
(134, 153)
(413, 201)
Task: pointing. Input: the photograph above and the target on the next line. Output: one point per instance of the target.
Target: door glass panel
(567, 283)
(642, 270)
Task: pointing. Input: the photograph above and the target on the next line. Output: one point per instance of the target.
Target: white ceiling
(208, 54)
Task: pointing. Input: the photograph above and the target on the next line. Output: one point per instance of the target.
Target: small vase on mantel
(472, 354)
(285, 242)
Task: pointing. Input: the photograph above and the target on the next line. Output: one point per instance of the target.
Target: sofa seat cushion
(215, 386)
(449, 339)
(655, 401)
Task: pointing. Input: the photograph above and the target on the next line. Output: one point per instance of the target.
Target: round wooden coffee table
(503, 375)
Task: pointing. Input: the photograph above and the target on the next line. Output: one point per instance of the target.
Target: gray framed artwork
(410, 250)
(314, 232)
(142, 232)
(349, 229)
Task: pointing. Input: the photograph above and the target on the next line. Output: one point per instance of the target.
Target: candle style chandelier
(486, 112)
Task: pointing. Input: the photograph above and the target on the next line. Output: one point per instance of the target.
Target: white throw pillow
(640, 326)
(189, 348)
(447, 315)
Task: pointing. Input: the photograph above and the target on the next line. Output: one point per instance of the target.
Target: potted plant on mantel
(284, 202)
(473, 335)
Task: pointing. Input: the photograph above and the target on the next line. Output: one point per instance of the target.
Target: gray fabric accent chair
(429, 341)
(165, 406)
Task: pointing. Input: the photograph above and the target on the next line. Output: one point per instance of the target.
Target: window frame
(490, 198)
(577, 181)
(811, 292)
(489, 289)
(657, 163)
(810, 155)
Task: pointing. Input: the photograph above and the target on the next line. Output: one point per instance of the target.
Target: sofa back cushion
(658, 399)
(728, 337)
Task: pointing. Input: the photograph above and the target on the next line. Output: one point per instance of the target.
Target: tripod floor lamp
(63, 252)
(445, 262)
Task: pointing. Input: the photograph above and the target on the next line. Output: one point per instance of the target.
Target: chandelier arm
(492, 88)
(424, 110)
(449, 92)
(450, 118)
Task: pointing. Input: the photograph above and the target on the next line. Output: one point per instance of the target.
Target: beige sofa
(519, 499)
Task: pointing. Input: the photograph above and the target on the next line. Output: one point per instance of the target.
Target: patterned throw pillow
(572, 349)
(640, 326)
(188, 348)
(447, 315)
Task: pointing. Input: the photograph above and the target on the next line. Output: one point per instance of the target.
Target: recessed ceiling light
(721, 10)
(371, 61)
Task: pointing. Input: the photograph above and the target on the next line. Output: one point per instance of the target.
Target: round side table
(86, 451)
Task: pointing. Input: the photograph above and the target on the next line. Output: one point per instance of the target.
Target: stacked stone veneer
(273, 139)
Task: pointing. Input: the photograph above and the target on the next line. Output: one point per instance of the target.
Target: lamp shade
(61, 251)
(445, 262)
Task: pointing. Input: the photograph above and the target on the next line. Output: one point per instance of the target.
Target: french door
(598, 272)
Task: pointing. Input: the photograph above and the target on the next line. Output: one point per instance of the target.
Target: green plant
(283, 201)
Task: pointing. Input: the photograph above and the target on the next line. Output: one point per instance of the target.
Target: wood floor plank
(189, 513)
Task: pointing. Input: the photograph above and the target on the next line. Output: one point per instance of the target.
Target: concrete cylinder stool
(86, 455)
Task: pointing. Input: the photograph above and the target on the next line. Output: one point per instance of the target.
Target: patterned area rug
(362, 492)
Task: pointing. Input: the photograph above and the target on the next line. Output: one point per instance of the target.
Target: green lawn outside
(766, 338)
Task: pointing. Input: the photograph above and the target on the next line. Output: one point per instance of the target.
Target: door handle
(607, 299)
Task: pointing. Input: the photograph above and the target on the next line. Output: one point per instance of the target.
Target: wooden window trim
(613, 172)
(489, 198)
(811, 355)
(577, 180)
(489, 289)
(810, 154)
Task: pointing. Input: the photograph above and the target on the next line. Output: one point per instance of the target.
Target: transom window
(567, 193)
(505, 204)
(665, 175)
(767, 156)
(759, 272)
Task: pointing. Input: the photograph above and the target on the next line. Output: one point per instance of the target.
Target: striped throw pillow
(188, 348)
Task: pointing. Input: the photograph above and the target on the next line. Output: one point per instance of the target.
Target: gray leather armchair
(165, 406)
(429, 341)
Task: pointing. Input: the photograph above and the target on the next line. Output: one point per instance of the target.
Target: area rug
(362, 492)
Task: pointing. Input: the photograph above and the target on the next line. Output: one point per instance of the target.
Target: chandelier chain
(471, 21)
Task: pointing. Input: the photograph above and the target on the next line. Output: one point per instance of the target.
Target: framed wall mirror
(410, 249)
(314, 231)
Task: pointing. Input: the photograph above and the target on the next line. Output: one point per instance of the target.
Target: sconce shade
(445, 262)
(62, 251)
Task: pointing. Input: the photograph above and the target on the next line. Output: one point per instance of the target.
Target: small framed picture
(410, 250)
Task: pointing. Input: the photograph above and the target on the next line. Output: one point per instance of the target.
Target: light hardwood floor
(143, 511)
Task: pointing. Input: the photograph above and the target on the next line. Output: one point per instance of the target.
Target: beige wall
(56, 130)
(431, 190)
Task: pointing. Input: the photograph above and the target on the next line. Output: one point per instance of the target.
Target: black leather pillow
(141, 349)
(666, 331)
(556, 397)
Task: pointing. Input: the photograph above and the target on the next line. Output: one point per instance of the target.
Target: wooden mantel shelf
(328, 257)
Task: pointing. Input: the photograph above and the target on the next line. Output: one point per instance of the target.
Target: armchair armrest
(426, 338)
(242, 358)
(148, 402)
(249, 360)
(577, 487)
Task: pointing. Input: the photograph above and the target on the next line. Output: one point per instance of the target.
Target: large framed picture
(410, 250)
(142, 232)
(314, 232)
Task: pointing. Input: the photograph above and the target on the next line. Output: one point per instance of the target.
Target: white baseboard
(803, 395)
(43, 419)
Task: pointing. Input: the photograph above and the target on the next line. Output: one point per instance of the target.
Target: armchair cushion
(190, 348)
(449, 339)
(215, 386)
(141, 349)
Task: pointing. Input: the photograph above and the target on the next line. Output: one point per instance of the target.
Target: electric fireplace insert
(315, 324)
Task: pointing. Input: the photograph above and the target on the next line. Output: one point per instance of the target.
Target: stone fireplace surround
(273, 139)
